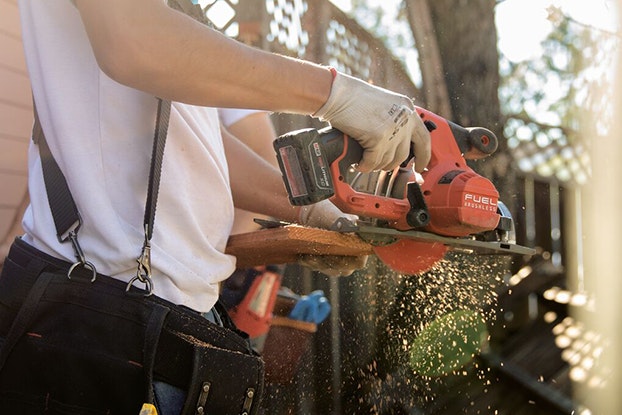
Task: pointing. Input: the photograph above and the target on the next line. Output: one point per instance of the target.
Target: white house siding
(15, 124)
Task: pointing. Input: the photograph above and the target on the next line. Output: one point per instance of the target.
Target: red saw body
(412, 225)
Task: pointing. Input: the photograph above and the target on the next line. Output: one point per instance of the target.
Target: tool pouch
(224, 382)
(72, 346)
(286, 343)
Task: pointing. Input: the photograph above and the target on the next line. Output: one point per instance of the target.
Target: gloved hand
(383, 122)
(333, 265)
(312, 308)
(322, 215)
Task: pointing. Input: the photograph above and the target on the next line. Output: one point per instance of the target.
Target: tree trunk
(434, 86)
(467, 40)
(467, 44)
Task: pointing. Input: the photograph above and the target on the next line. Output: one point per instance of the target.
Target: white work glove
(323, 215)
(383, 122)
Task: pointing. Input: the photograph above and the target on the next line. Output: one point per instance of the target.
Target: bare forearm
(146, 45)
(258, 133)
(256, 185)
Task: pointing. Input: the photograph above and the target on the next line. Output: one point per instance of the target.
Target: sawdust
(200, 343)
(424, 348)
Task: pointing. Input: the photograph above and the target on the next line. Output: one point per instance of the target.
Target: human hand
(383, 122)
(323, 215)
(333, 265)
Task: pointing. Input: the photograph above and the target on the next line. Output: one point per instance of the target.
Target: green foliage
(448, 343)
(565, 95)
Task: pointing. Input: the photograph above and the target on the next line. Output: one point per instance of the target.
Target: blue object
(313, 308)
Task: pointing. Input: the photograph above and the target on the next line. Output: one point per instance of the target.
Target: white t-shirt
(101, 134)
(229, 116)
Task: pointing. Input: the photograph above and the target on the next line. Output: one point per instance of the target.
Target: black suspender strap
(143, 271)
(65, 212)
(159, 140)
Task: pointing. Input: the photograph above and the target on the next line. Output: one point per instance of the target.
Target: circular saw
(411, 221)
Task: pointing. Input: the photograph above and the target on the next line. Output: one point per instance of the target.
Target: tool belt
(64, 336)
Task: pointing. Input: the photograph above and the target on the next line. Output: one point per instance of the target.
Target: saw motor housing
(453, 200)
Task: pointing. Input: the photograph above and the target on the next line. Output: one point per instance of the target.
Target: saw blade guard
(460, 201)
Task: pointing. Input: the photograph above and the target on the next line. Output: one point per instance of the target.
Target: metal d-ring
(81, 259)
(85, 264)
(147, 281)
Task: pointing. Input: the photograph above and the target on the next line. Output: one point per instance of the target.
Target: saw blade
(414, 252)
(409, 256)
(462, 244)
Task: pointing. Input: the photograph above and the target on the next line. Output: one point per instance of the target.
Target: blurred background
(476, 334)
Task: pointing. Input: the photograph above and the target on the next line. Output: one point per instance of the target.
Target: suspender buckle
(143, 270)
(81, 259)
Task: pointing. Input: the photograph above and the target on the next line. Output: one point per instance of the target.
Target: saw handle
(482, 143)
(474, 143)
(357, 203)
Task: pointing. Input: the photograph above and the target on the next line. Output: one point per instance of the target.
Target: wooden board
(283, 245)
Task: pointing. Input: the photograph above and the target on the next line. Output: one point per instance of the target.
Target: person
(255, 129)
(95, 70)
